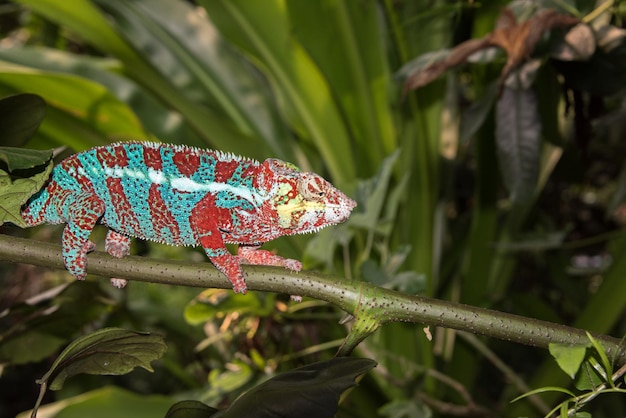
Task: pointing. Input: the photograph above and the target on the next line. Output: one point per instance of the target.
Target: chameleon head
(305, 202)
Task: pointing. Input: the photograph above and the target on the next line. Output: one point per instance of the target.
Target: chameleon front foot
(252, 255)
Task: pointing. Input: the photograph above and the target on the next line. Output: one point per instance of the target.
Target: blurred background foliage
(446, 209)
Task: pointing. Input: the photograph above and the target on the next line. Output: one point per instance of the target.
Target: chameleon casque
(181, 195)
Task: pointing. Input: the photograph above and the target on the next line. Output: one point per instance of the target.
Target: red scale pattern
(73, 164)
(152, 158)
(186, 163)
(162, 217)
(123, 208)
(224, 170)
(112, 157)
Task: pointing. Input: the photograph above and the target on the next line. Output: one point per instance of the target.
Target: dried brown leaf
(457, 56)
(517, 39)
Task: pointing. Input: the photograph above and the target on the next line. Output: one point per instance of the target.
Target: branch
(378, 305)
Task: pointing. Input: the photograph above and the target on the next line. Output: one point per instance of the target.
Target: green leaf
(544, 390)
(20, 116)
(30, 347)
(15, 193)
(20, 158)
(310, 391)
(605, 363)
(405, 408)
(475, 116)
(372, 195)
(212, 302)
(233, 378)
(182, 44)
(81, 113)
(106, 403)
(351, 54)
(262, 30)
(518, 140)
(38, 327)
(588, 376)
(158, 120)
(190, 409)
(568, 357)
(109, 351)
(84, 19)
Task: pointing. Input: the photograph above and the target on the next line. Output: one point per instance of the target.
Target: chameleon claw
(119, 283)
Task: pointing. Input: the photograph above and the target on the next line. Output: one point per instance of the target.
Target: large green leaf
(310, 391)
(106, 403)
(569, 358)
(35, 329)
(21, 158)
(157, 119)
(14, 193)
(190, 409)
(85, 20)
(345, 41)
(179, 41)
(262, 30)
(109, 351)
(80, 112)
(20, 116)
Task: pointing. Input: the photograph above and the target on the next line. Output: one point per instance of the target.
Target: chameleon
(180, 195)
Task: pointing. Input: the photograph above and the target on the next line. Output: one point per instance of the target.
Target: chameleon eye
(310, 189)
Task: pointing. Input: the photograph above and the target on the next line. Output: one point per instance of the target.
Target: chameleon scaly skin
(180, 195)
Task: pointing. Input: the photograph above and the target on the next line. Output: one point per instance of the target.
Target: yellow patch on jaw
(285, 211)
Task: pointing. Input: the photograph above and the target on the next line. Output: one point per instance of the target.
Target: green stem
(382, 305)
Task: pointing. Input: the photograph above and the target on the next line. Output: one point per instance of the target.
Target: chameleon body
(180, 195)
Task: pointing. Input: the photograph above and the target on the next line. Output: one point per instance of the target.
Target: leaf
(474, 117)
(80, 112)
(234, 376)
(212, 302)
(21, 158)
(371, 195)
(20, 116)
(605, 363)
(183, 45)
(158, 120)
(15, 193)
(588, 377)
(310, 391)
(544, 390)
(517, 39)
(409, 408)
(106, 402)
(190, 409)
(568, 357)
(351, 54)
(32, 346)
(518, 141)
(38, 327)
(109, 351)
(263, 31)
(443, 61)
